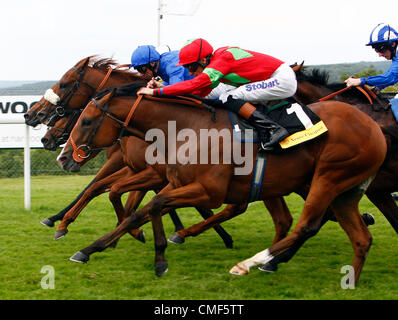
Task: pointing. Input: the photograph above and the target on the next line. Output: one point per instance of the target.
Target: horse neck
(151, 114)
(116, 78)
(309, 93)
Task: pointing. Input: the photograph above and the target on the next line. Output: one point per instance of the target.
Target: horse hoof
(176, 238)
(60, 234)
(268, 267)
(368, 219)
(79, 257)
(229, 244)
(47, 223)
(161, 268)
(141, 236)
(113, 244)
(238, 271)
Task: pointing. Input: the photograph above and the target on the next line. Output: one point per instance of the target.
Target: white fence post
(27, 167)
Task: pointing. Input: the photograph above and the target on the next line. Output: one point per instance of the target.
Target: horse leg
(176, 220)
(329, 215)
(229, 212)
(386, 204)
(190, 195)
(49, 222)
(94, 190)
(319, 198)
(145, 179)
(179, 237)
(134, 199)
(225, 236)
(347, 213)
(280, 215)
(114, 163)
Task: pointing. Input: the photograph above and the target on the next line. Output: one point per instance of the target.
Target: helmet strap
(153, 68)
(204, 65)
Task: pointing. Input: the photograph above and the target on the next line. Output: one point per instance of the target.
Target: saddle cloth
(299, 120)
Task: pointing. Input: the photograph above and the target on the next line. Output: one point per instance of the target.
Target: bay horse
(338, 166)
(313, 85)
(72, 92)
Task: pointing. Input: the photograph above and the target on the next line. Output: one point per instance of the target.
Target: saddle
(299, 132)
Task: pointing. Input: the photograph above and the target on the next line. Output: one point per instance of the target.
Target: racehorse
(63, 106)
(314, 85)
(338, 165)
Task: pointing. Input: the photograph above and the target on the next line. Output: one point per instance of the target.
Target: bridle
(84, 151)
(61, 109)
(64, 133)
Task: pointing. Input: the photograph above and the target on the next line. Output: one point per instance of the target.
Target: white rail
(27, 188)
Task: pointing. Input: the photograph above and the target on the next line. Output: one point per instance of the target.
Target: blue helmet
(382, 33)
(144, 55)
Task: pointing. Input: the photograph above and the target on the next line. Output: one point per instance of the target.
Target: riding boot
(267, 128)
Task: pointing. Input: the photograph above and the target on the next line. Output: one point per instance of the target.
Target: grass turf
(198, 269)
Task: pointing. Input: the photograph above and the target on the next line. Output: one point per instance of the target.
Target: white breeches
(281, 85)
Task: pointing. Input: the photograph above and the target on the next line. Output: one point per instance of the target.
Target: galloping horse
(314, 85)
(338, 165)
(67, 99)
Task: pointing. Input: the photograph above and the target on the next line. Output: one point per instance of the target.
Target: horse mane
(320, 77)
(313, 75)
(126, 90)
(103, 64)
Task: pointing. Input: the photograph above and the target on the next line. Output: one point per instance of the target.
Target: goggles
(192, 67)
(142, 69)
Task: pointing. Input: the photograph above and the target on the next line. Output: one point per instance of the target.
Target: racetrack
(198, 269)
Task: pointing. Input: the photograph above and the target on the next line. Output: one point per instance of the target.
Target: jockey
(384, 40)
(253, 77)
(148, 61)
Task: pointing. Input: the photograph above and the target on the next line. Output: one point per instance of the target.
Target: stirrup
(270, 148)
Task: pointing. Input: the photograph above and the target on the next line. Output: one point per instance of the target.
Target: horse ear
(296, 68)
(109, 95)
(82, 64)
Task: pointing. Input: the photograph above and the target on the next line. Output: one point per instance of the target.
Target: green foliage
(198, 269)
(371, 71)
(42, 162)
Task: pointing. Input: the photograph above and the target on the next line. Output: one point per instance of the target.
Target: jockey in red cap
(251, 76)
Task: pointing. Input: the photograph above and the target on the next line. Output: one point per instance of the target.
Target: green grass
(198, 269)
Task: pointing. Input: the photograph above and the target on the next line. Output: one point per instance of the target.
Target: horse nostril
(44, 140)
(26, 116)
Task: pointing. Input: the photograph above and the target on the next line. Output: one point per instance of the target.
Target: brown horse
(338, 165)
(93, 73)
(313, 85)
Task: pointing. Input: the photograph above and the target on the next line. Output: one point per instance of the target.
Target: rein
(79, 154)
(365, 91)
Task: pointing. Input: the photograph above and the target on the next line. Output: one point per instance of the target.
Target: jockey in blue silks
(149, 62)
(384, 40)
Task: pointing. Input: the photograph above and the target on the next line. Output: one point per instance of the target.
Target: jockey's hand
(146, 91)
(351, 81)
(153, 84)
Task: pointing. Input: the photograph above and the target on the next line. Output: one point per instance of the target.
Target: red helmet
(194, 50)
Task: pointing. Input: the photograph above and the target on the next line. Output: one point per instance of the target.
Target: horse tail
(391, 134)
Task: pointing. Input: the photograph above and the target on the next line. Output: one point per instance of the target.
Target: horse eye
(63, 85)
(86, 122)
